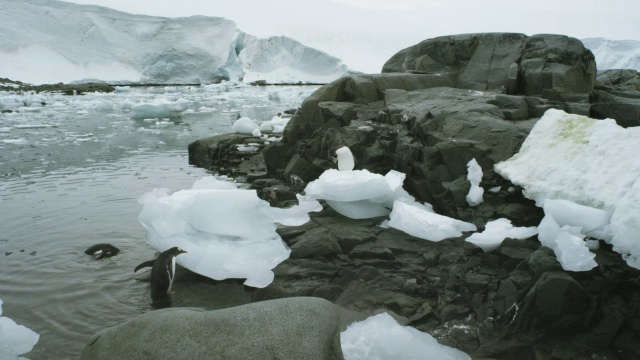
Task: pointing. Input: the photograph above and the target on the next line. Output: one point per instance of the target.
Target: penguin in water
(162, 272)
(100, 251)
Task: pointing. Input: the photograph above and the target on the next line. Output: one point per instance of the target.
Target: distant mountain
(614, 54)
(45, 41)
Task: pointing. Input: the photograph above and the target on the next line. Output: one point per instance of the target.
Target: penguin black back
(102, 250)
(163, 271)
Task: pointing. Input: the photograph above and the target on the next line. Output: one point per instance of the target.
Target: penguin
(162, 272)
(100, 251)
(148, 263)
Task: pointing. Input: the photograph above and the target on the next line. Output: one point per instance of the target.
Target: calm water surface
(71, 170)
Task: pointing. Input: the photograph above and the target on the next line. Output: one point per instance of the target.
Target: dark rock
(296, 328)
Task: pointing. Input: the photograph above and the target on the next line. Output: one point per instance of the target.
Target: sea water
(71, 171)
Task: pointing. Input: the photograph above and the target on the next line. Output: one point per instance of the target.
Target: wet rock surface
(438, 105)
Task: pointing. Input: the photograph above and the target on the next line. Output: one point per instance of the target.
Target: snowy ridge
(614, 54)
(47, 41)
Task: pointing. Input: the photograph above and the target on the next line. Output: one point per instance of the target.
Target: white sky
(383, 27)
(613, 19)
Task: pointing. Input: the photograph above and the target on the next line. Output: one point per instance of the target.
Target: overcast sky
(383, 27)
(615, 19)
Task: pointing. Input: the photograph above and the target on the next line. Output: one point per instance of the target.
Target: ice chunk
(380, 337)
(244, 125)
(567, 243)
(496, 231)
(474, 176)
(625, 226)
(266, 126)
(159, 109)
(15, 339)
(421, 223)
(345, 159)
(348, 185)
(359, 209)
(228, 232)
(594, 222)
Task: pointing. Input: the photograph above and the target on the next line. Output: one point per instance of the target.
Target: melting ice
(592, 165)
(380, 337)
(15, 339)
(227, 232)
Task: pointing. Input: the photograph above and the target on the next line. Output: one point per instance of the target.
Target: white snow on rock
(15, 339)
(474, 176)
(380, 337)
(227, 232)
(496, 231)
(589, 162)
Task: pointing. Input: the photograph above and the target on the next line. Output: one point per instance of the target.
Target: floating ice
(418, 222)
(496, 231)
(15, 339)
(159, 109)
(244, 125)
(380, 337)
(227, 232)
(474, 176)
(590, 162)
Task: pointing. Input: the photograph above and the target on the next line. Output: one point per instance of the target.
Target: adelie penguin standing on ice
(163, 271)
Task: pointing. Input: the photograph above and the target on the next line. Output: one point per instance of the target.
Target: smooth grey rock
(292, 328)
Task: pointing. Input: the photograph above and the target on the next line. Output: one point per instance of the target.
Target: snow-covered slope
(614, 54)
(45, 41)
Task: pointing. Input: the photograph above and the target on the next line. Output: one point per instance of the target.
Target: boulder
(541, 65)
(293, 328)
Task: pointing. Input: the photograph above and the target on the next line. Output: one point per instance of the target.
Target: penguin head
(175, 251)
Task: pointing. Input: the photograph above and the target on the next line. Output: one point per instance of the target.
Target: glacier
(614, 54)
(46, 41)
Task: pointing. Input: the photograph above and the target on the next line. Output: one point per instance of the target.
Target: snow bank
(380, 337)
(589, 162)
(15, 339)
(227, 232)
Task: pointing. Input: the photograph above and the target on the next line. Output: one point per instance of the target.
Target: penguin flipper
(145, 264)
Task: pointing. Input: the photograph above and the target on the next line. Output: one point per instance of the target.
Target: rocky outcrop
(617, 96)
(437, 106)
(539, 65)
(294, 328)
